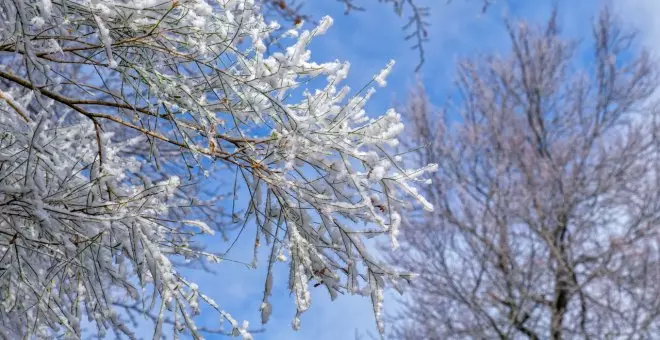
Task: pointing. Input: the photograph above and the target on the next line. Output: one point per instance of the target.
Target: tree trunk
(562, 280)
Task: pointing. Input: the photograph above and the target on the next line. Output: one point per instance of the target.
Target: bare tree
(546, 197)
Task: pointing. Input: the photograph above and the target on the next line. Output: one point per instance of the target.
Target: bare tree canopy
(547, 196)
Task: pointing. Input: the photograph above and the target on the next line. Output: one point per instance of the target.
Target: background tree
(547, 197)
(115, 115)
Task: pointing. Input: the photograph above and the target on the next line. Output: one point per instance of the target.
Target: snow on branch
(115, 119)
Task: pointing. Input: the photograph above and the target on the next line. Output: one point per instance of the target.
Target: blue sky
(369, 40)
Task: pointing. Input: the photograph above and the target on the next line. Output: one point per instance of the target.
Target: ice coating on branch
(46, 8)
(203, 227)
(394, 229)
(380, 78)
(104, 34)
(324, 25)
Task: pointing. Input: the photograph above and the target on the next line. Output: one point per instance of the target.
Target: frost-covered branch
(116, 119)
